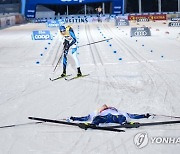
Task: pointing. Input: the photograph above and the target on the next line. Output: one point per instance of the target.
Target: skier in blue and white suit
(108, 114)
(69, 43)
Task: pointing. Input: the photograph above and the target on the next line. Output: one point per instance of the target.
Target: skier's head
(62, 28)
(104, 107)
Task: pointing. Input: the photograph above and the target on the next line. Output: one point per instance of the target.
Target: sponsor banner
(72, 19)
(75, 19)
(53, 23)
(174, 24)
(140, 31)
(30, 11)
(121, 22)
(65, 2)
(120, 17)
(41, 35)
(42, 20)
(117, 6)
(82, 19)
(143, 20)
(150, 17)
(175, 19)
(158, 17)
(47, 14)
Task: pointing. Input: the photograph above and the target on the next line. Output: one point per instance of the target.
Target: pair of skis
(108, 128)
(59, 77)
(67, 77)
(80, 125)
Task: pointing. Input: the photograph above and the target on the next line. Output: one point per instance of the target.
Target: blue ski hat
(62, 28)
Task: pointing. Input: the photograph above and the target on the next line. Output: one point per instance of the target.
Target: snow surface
(134, 74)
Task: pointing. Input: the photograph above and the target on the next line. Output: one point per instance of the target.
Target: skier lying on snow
(107, 114)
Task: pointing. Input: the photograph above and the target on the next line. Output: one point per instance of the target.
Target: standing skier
(108, 114)
(69, 44)
(99, 11)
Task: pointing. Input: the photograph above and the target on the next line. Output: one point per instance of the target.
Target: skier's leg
(85, 118)
(120, 119)
(64, 63)
(74, 54)
(137, 116)
(99, 119)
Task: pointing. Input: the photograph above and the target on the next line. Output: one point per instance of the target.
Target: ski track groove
(95, 47)
(109, 142)
(149, 66)
(55, 50)
(71, 149)
(125, 86)
(88, 33)
(108, 84)
(92, 54)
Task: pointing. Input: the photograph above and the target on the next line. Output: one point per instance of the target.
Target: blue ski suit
(70, 43)
(109, 115)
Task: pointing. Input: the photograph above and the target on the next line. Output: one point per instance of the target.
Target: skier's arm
(86, 118)
(73, 37)
(89, 117)
(66, 45)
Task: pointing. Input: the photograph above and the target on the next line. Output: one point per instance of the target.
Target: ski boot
(79, 72)
(64, 73)
(131, 124)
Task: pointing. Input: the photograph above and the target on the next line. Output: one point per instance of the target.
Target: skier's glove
(66, 47)
(147, 115)
(72, 118)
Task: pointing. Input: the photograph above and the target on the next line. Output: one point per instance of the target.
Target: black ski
(80, 125)
(76, 77)
(17, 125)
(136, 125)
(60, 77)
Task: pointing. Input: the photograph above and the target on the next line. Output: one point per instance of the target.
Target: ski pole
(94, 42)
(17, 125)
(24, 124)
(166, 116)
(58, 61)
(79, 47)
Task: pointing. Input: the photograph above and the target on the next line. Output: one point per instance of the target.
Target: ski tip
(30, 118)
(50, 79)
